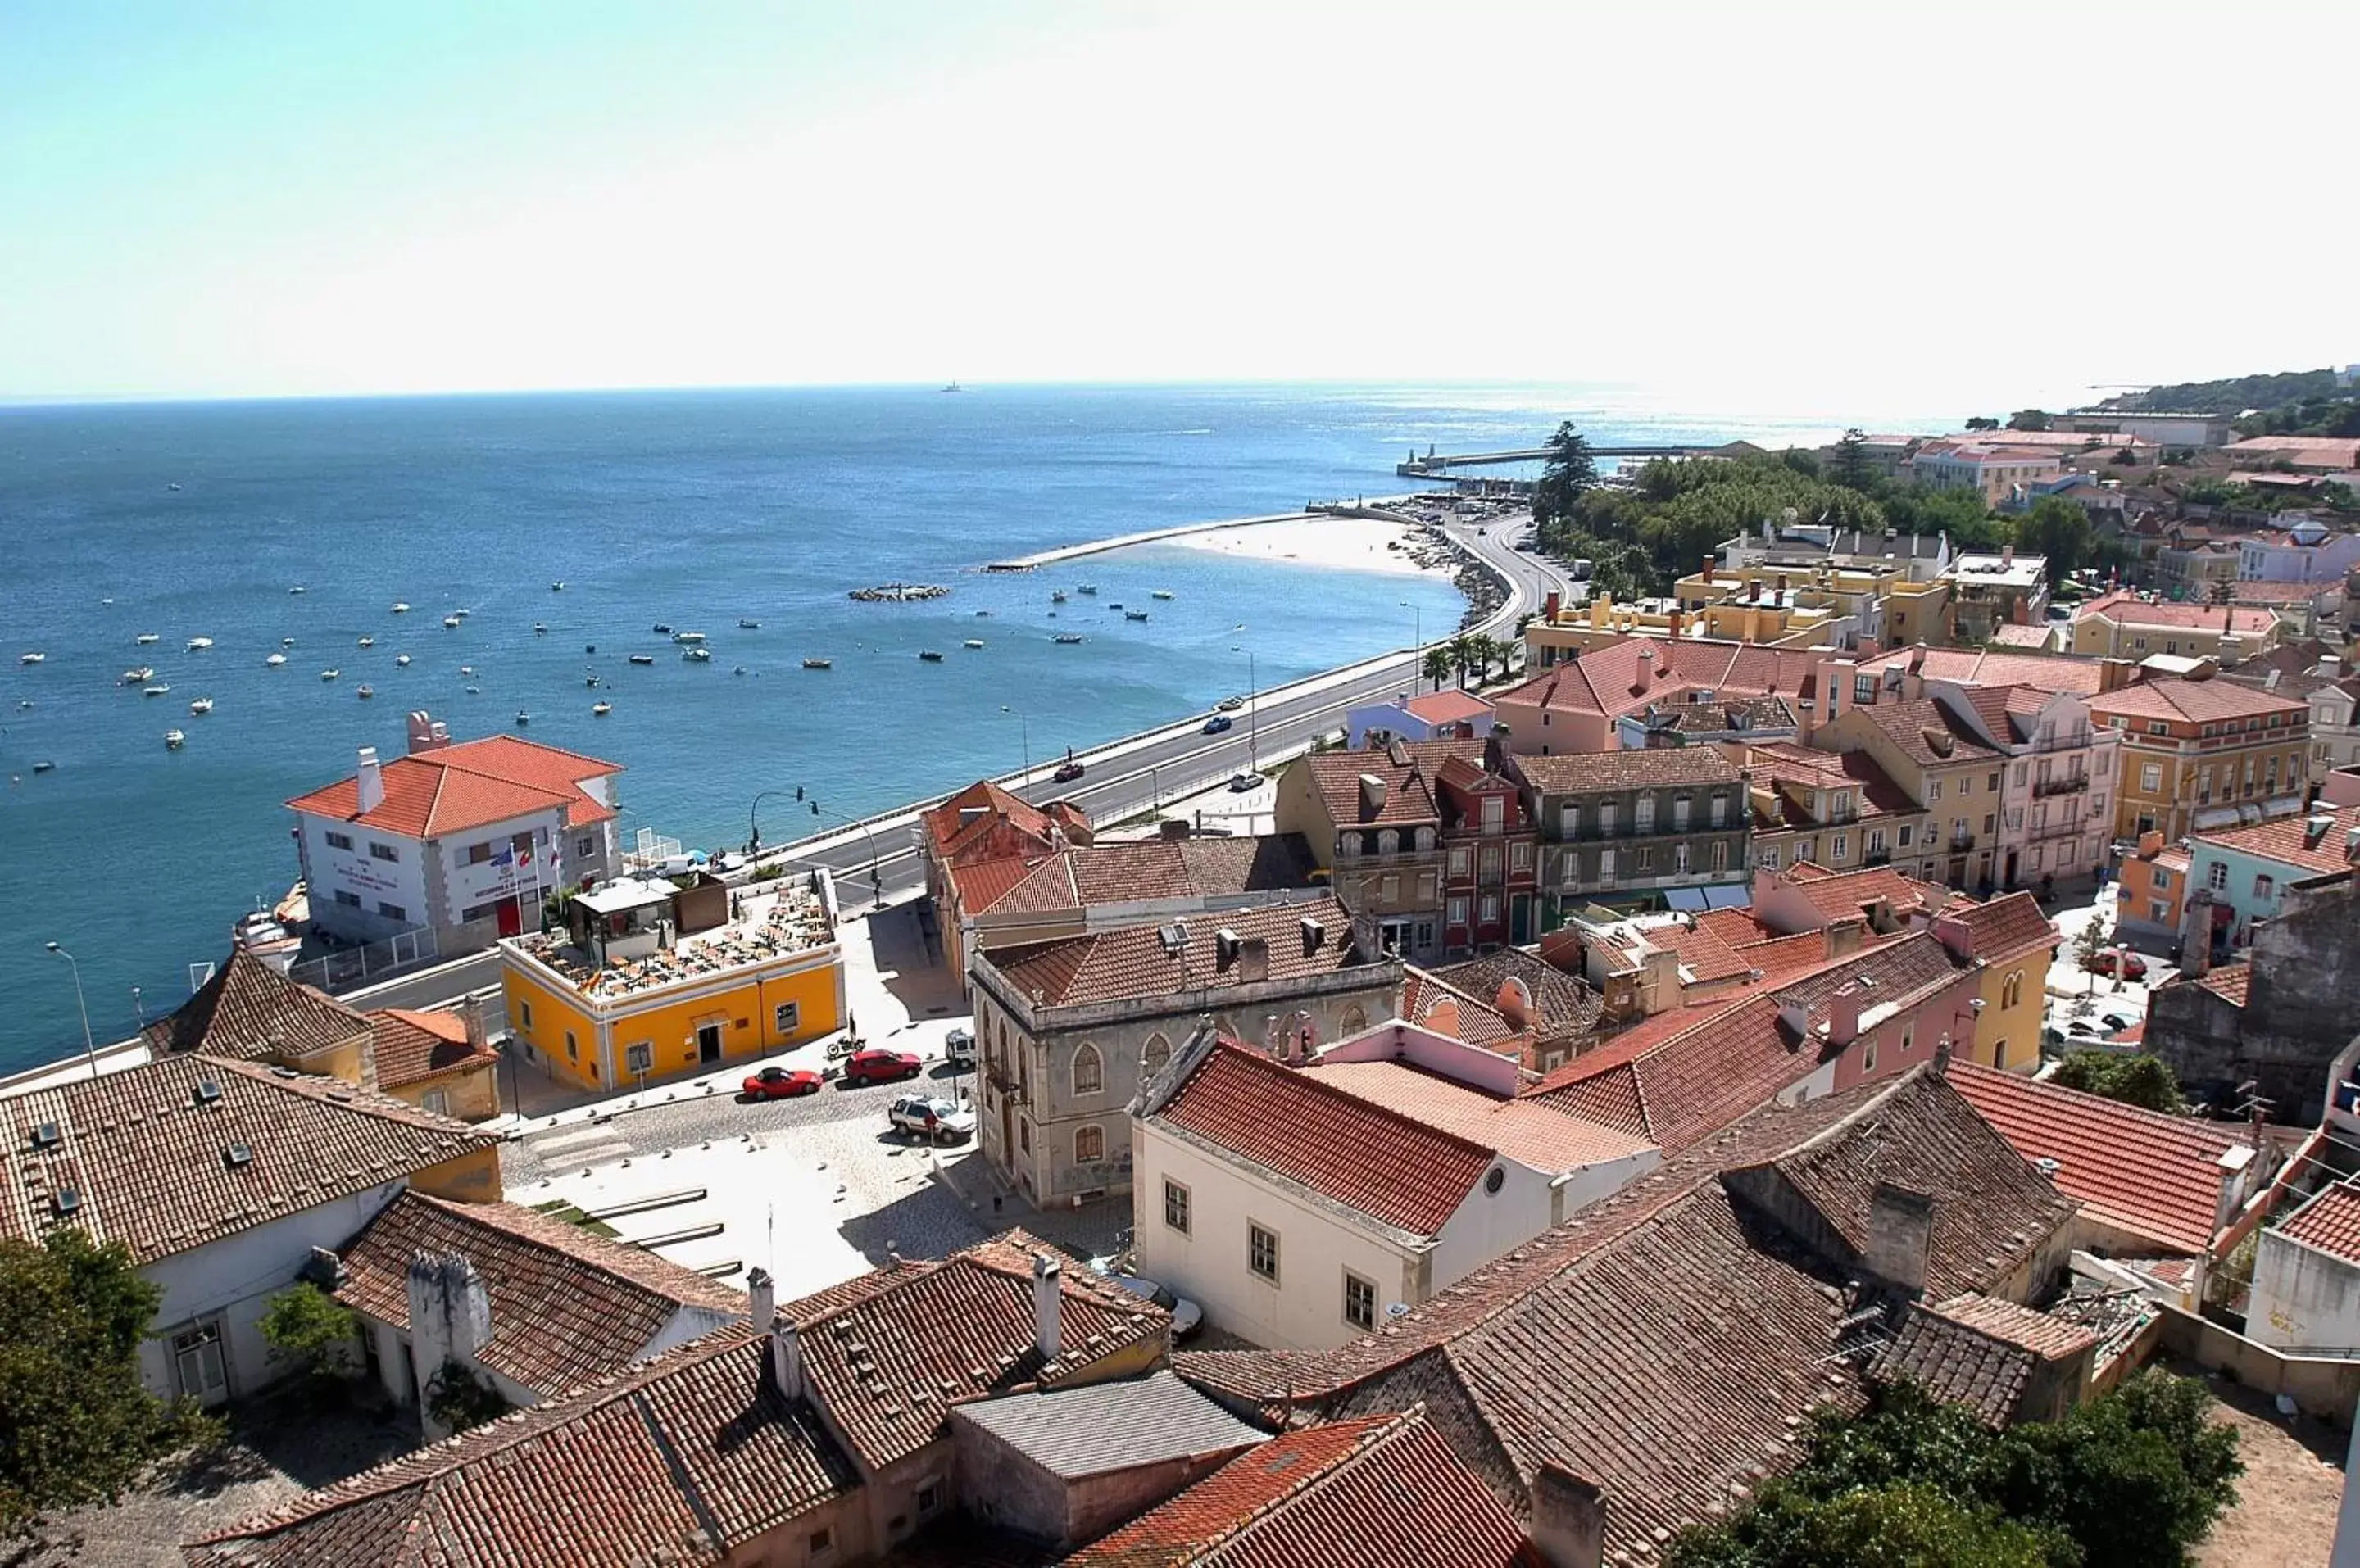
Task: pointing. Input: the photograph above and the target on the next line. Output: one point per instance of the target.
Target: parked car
(958, 1048)
(1219, 724)
(937, 1119)
(781, 1083)
(2102, 962)
(880, 1066)
(1187, 1317)
(1067, 772)
(2116, 1020)
(1242, 782)
(1232, 704)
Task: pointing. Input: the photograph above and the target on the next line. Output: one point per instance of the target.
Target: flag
(524, 855)
(504, 858)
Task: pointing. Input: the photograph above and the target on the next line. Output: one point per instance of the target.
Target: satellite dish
(1397, 1308)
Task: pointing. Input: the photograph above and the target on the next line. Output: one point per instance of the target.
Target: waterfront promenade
(1152, 536)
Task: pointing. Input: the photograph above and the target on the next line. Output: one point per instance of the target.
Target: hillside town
(1506, 1124)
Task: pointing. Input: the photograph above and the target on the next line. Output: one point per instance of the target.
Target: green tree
(306, 1324)
(1569, 474)
(2028, 419)
(76, 1426)
(1462, 655)
(1851, 470)
(1438, 665)
(1890, 1527)
(2058, 530)
(2145, 1081)
(2088, 942)
(1485, 651)
(1982, 423)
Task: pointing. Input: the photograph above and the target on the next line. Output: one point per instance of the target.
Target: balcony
(1961, 840)
(2072, 785)
(1877, 858)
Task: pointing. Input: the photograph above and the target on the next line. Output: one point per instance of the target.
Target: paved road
(1124, 778)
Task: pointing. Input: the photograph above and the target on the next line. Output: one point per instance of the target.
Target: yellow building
(1564, 635)
(2016, 943)
(629, 995)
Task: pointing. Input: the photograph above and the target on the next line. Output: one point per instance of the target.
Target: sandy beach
(1345, 544)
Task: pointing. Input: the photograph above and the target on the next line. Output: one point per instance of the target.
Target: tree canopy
(2061, 530)
(76, 1426)
(2145, 1081)
(2133, 1479)
(2233, 396)
(2028, 419)
(1569, 474)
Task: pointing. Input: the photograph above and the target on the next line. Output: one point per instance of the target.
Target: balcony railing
(1962, 839)
(2072, 785)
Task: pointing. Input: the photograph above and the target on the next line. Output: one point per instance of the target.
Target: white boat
(590, 679)
(450, 621)
(401, 607)
(557, 587)
(819, 664)
(1067, 638)
(600, 710)
(697, 655)
(330, 674)
(275, 660)
(1058, 598)
(32, 658)
(198, 644)
(366, 690)
(402, 660)
(287, 642)
(643, 658)
(1086, 588)
(144, 638)
(746, 625)
(523, 717)
(1160, 594)
(158, 689)
(297, 589)
(201, 705)
(1134, 614)
(541, 629)
(691, 637)
(467, 670)
(461, 612)
(475, 690)
(138, 673)
(975, 642)
(175, 739)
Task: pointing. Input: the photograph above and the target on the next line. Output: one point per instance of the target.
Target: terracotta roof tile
(2194, 702)
(1578, 773)
(2156, 1175)
(1835, 894)
(1685, 1088)
(249, 1011)
(1433, 1004)
(1449, 707)
(1978, 1351)
(2329, 1222)
(1523, 1130)
(568, 1307)
(1407, 770)
(2293, 840)
(1564, 1005)
(408, 1047)
(1810, 767)
(1376, 1161)
(1929, 734)
(454, 788)
(1381, 1489)
(153, 1152)
(2232, 982)
(957, 824)
(2127, 609)
(1133, 961)
(2007, 927)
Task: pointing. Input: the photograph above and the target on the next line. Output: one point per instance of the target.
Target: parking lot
(2090, 1010)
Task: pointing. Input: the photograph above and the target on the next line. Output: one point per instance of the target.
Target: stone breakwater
(899, 593)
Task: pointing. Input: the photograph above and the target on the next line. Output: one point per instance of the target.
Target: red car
(2102, 962)
(879, 1066)
(781, 1083)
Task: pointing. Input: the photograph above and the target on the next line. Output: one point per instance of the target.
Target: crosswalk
(583, 1146)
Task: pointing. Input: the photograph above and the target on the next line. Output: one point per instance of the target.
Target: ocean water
(694, 509)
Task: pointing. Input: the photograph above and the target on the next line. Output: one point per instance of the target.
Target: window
(2044, 761)
(1491, 910)
(2151, 777)
(1679, 814)
(1721, 855)
(1836, 847)
(1719, 811)
(1458, 863)
(2264, 887)
(1643, 814)
(1458, 912)
(1175, 1206)
(1863, 688)
(1645, 858)
(1568, 821)
(787, 1016)
(524, 1012)
(1966, 787)
(2157, 910)
(1520, 856)
(823, 1545)
(1261, 1252)
(572, 1050)
(1359, 1302)
(640, 1056)
(2217, 875)
(1089, 1069)
(930, 1498)
(1992, 783)
(1024, 1134)
(478, 853)
(1908, 832)
(1868, 1057)
(1680, 858)
(1152, 1058)
(349, 900)
(1933, 790)
(1389, 888)
(585, 846)
(339, 841)
(392, 911)
(438, 1101)
(2157, 727)
(1089, 1145)
(1770, 857)
(383, 852)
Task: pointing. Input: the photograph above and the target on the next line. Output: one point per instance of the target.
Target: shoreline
(1329, 543)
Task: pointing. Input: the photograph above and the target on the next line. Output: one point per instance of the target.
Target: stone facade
(1632, 827)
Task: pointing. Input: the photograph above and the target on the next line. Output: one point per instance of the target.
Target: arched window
(1425, 838)
(1089, 1071)
(1388, 841)
(1089, 1145)
(1355, 1020)
(1158, 1052)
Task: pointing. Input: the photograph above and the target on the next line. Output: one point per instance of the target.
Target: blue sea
(692, 508)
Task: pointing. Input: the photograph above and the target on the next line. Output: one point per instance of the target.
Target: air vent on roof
(285, 1073)
(67, 1201)
(208, 1092)
(1174, 936)
(237, 1156)
(2049, 1167)
(48, 1134)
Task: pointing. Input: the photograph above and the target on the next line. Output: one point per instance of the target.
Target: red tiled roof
(1378, 1162)
(1425, 995)
(2156, 1175)
(2290, 841)
(1447, 707)
(2008, 926)
(1991, 667)
(251, 1012)
(887, 1362)
(1978, 1351)
(568, 1307)
(408, 1047)
(1382, 1489)
(1928, 732)
(151, 1152)
(1408, 768)
(2194, 702)
(1813, 768)
(454, 788)
(2329, 1222)
(1563, 1006)
(2232, 982)
(1133, 961)
(2127, 609)
(1575, 773)
(1523, 1130)
(1677, 1091)
(982, 884)
(1835, 894)
(953, 829)
(1606, 681)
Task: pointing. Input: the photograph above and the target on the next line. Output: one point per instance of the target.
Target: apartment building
(1992, 469)
(1836, 809)
(1941, 763)
(2124, 625)
(2056, 815)
(1636, 829)
(2202, 754)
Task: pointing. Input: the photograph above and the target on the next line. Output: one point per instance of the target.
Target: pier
(1434, 465)
(1071, 552)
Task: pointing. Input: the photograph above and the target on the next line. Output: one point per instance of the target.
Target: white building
(2306, 1298)
(2306, 551)
(462, 840)
(1303, 1206)
(226, 1182)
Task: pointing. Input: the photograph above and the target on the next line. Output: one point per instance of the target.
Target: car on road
(781, 1083)
(937, 1119)
(1219, 724)
(1242, 782)
(2116, 1020)
(958, 1048)
(1231, 705)
(2102, 962)
(879, 1066)
(1067, 773)
(1187, 1317)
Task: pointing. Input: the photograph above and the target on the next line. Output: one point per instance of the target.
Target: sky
(1810, 206)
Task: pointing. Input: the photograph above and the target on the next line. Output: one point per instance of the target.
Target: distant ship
(954, 386)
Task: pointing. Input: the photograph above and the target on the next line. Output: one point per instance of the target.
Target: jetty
(1072, 551)
(1433, 465)
(897, 593)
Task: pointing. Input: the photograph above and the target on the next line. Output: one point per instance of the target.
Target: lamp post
(1416, 624)
(1024, 732)
(1253, 715)
(89, 1046)
(139, 1009)
(753, 832)
(876, 855)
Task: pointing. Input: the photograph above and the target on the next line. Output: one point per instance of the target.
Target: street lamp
(89, 1046)
(876, 855)
(1024, 732)
(1416, 624)
(1253, 715)
(754, 834)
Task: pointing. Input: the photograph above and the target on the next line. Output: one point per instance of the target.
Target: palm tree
(1462, 654)
(1437, 666)
(1487, 653)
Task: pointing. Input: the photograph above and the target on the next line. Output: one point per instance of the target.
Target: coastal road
(878, 860)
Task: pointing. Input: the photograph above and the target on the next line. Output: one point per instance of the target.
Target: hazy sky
(1881, 205)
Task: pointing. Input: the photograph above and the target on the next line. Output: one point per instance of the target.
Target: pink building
(2056, 816)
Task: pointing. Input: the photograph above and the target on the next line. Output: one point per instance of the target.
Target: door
(1520, 919)
(2010, 877)
(708, 1042)
(511, 917)
(197, 1363)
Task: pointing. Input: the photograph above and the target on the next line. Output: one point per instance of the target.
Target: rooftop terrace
(768, 926)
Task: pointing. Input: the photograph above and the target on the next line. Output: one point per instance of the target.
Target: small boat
(697, 655)
(174, 485)
(287, 642)
(1058, 598)
(45, 768)
(297, 589)
(746, 625)
(1067, 638)
(175, 739)
(467, 670)
(983, 612)
(739, 670)
(366, 691)
(450, 621)
(589, 678)
(330, 674)
(589, 647)
(1160, 594)
(930, 656)
(819, 664)
(541, 629)
(138, 673)
(662, 629)
(198, 644)
(643, 658)
(368, 642)
(688, 638)
(475, 690)
(462, 612)
(1134, 614)
(401, 607)
(144, 638)
(600, 710)
(106, 601)
(402, 660)
(1114, 604)
(974, 642)
(275, 660)
(954, 386)
(32, 658)
(160, 689)
(1086, 588)
(201, 705)
(557, 587)
(523, 717)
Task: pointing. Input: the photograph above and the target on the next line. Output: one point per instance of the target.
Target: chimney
(1372, 794)
(1568, 1518)
(1549, 606)
(1048, 1304)
(450, 1320)
(371, 780)
(424, 734)
(1514, 1002)
(2150, 844)
(762, 1297)
(1843, 1014)
(1313, 933)
(472, 1015)
(1844, 935)
(2007, 555)
(1254, 960)
(1225, 947)
(1900, 1232)
(1708, 570)
(1956, 935)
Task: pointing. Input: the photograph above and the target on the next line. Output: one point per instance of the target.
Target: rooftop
(771, 927)
(1406, 770)
(2010, 570)
(2194, 702)
(1928, 732)
(1447, 707)
(2232, 982)
(2316, 841)
(408, 1047)
(1625, 676)
(250, 1011)
(1102, 1427)
(2127, 609)
(448, 790)
(2329, 1222)
(1138, 870)
(1979, 1351)
(1523, 1130)
(1563, 1005)
(1180, 959)
(1991, 667)
(2006, 926)
(1655, 767)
